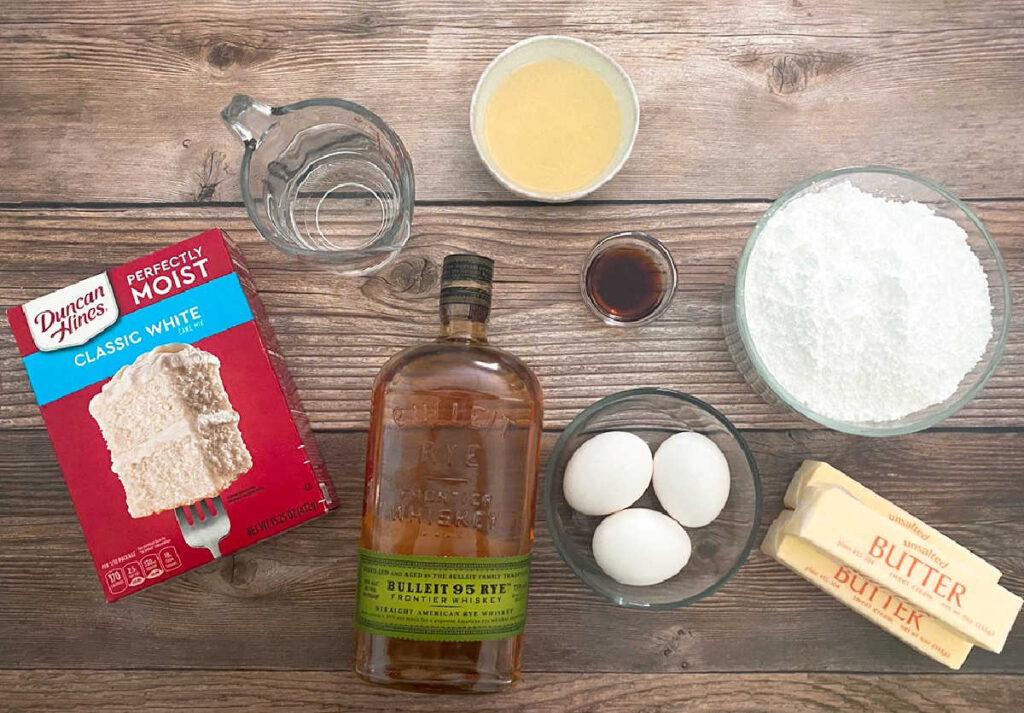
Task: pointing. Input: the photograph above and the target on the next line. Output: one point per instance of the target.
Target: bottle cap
(466, 279)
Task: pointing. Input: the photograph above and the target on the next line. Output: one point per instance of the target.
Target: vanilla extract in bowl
(625, 283)
(628, 279)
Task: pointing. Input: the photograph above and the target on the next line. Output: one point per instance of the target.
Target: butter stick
(880, 606)
(855, 535)
(815, 473)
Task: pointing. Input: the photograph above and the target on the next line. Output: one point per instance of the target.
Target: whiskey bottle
(451, 480)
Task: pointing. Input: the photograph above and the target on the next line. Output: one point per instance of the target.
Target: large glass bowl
(894, 184)
(718, 549)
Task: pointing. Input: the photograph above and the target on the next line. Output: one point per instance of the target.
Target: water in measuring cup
(335, 188)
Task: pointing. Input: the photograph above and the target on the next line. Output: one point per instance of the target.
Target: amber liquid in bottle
(451, 471)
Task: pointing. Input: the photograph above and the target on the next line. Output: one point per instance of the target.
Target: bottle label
(441, 598)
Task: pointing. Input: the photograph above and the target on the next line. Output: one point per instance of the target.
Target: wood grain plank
(313, 692)
(336, 332)
(287, 603)
(694, 17)
(737, 102)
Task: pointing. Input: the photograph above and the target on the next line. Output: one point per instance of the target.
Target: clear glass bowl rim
(550, 494)
(782, 393)
(405, 167)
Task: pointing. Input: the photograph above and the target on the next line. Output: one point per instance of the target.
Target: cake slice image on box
(171, 431)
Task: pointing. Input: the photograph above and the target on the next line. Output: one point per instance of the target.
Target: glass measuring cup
(325, 179)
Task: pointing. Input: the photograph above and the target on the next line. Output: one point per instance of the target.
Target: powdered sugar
(866, 309)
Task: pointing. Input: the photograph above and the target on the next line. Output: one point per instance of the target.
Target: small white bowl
(542, 47)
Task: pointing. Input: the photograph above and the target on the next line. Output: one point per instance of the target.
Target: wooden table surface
(112, 146)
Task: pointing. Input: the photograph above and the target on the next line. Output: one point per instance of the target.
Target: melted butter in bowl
(553, 118)
(552, 126)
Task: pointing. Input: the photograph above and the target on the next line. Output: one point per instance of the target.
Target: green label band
(441, 598)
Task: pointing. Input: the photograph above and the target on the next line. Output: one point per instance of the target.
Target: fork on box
(204, 524)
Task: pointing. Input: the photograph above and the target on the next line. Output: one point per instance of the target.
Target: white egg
(691, 478)
(640, 547)
(608, 473)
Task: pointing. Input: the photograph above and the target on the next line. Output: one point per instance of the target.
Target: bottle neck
(458, 324)
(465, 299)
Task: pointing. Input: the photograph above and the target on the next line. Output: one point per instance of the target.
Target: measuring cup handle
(248, 118)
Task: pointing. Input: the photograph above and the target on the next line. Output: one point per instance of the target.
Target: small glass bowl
(662, 260)
(718, 549)
(559, 47)
(894, 184)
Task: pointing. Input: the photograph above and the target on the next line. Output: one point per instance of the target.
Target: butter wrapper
(841, 526)
(814, 473)
(878, 605)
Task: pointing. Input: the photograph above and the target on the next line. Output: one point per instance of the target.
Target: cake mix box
(174, 419)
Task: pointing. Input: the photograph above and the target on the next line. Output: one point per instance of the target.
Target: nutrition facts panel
(133, 571)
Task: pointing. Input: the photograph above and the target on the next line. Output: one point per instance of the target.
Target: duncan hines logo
(73, 315)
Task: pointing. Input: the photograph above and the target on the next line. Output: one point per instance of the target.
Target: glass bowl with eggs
(652, 498)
